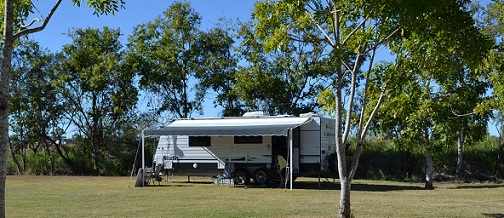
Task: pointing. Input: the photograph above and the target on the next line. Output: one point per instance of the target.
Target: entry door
(278, 147)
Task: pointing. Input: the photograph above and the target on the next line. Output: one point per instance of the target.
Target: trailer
(252, 143)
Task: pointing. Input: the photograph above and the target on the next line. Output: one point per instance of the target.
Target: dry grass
(43, 196)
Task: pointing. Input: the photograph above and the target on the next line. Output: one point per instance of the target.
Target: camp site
(252, 108)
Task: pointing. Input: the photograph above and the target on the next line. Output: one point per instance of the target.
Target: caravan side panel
(328, 144)
(309, 155)
(203, 160)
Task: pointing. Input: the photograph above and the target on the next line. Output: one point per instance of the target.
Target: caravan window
(199, 141)
(248, 139)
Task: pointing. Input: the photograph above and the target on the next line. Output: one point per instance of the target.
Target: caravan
(251, 143)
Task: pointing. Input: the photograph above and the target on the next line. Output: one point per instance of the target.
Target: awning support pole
(143, 159)
(290, 159)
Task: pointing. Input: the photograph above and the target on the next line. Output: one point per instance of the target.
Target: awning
(264, 126)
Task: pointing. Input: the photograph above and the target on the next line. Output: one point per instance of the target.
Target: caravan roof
(259, 126)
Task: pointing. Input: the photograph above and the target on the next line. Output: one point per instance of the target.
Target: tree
(464, 92)
(13, 28)
(219, 63)
(166, 54)
(285, 80)
(353, 32)
(37, 109)
(350, 33)
(438, 101)
(97, 90)
(492, 20)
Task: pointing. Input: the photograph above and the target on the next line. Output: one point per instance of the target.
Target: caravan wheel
(261, 177)
(242, 177)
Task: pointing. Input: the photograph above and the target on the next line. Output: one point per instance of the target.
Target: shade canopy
(262, 126)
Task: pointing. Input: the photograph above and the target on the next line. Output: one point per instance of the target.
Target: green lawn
(62, 196)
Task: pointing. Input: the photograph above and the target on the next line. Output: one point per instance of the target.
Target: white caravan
(251, 143)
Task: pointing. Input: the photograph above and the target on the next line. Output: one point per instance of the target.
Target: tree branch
(355, 30)
(462, 115)
(351, 99)
(42, 26)
(373, 114)
(322, 30)
(31, 23)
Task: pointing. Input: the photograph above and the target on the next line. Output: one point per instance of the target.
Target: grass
(62, 196)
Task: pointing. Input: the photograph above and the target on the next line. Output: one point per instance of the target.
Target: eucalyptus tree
(166, 54)
(37, 110)
(353, 33)
(15, 25)
(96, 88)
(218, 60)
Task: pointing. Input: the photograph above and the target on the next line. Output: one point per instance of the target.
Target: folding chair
(228, 176)
(156, 176)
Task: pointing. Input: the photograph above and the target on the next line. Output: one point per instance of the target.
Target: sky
(136, 12)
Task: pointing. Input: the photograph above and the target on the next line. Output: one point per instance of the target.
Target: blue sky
(136, 12)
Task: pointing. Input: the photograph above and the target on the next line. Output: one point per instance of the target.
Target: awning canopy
(263, 126)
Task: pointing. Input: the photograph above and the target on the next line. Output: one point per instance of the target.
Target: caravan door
(280, 146)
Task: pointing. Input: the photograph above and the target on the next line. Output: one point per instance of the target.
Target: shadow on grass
(323, 185)
(479, 186)
(332, 186)
(355, 187)
(495, 215)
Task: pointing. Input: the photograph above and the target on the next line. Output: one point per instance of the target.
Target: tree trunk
(428, 168)
(460, 153)
(8, 41)
(96, 168)
(14, 158)
(499, 163)
(51, 159)
(344, 207)
(23, 158)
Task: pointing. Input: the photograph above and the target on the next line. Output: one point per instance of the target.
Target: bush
(384, 160)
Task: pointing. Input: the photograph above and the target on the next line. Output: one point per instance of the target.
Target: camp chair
(227, 177)
(147, 173)
(156, 176)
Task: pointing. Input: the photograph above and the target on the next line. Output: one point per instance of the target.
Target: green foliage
(492, 21)
(11, 166)
(219, 67)
(98, 89)
(389, 160)
(36, 108)
(166, 54)
(94, 73)
(385, 160)
(284, 80)
(23, 9)
(103, 6)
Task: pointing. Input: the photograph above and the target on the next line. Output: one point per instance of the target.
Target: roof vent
(256, 114)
